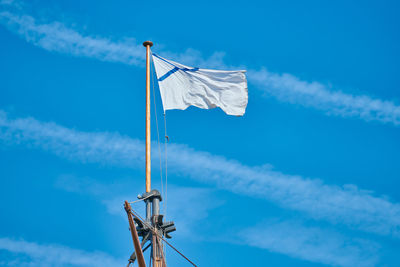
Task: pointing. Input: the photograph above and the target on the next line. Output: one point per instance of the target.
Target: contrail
(57, 37)
(346, 205)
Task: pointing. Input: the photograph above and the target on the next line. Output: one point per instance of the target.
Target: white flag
(183, 86)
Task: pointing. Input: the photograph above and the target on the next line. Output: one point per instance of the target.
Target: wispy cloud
(190, 207)
(346, 205)
(57, 37)
(24, 253)
(107, 148)
(7, 2)
(359, 209)
(312, 243)
(187, 206)
(288, 88)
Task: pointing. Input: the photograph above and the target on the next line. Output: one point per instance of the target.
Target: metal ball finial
(148, 43)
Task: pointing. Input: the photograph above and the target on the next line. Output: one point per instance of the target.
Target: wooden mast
(148, 44)
(158, 259)
(153, 228)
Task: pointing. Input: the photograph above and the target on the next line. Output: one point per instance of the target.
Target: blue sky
(307, 177)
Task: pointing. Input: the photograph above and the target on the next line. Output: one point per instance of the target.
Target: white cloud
(55, 36)
(347, 205)
(24, 253)
(102, 147)
(194, 57)
(311, 243)
(187, 206)
(6, 2)
(288, 88)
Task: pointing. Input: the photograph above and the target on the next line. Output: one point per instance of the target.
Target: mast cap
(148, 43)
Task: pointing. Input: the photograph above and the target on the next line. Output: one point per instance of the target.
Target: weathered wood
(148, 44)
(135, 237)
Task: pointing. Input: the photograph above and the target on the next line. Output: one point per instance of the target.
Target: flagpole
(148, 44)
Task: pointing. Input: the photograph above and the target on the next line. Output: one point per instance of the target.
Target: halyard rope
(166, 140)
(158, 132)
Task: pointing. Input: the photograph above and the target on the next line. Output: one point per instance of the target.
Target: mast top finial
(148, 43)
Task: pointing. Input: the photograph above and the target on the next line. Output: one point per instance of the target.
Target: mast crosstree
(152, 230)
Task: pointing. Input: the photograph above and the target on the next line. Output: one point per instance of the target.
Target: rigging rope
(154, 231)
(164, 194)
(166, 140)
(158, 132)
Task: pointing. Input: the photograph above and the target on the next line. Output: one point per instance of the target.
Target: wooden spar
(158, 257)
(135, 237)
(148, 44)
(157, 260)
